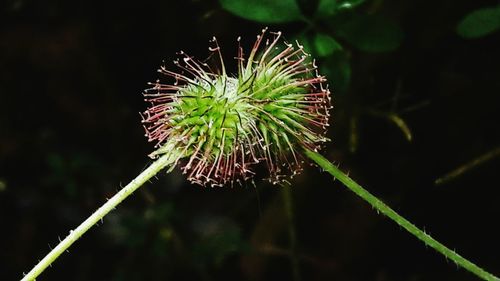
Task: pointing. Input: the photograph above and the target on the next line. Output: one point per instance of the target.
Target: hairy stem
(386, 210)
(152, 170)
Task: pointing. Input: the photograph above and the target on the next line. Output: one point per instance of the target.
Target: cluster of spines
(276, 104)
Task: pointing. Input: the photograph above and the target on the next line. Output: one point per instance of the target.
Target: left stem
(147, 174)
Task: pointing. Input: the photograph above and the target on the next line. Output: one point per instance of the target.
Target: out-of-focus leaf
(219, 238)
(397, 120)
(325, 45)
(337, 69)
(331, 7)
(479, 23)
(401, 123)
(371, 33)
(3, 185)
(66, 173)
(327, 7)
(305, 42)
(348, 4)
(275, 11)
(308, 8)
(457, 172)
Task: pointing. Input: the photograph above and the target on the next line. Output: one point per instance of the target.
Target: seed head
(223, 125)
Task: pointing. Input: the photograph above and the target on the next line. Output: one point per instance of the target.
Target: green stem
(386, 210)
(147, 174)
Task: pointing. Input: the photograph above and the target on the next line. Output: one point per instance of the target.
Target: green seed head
(224, 125)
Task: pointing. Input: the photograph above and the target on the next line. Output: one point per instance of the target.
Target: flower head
(225, 124)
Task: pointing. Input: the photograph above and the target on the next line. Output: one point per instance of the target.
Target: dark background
(71, 77)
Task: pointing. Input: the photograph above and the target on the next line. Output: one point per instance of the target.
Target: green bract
(224, 125)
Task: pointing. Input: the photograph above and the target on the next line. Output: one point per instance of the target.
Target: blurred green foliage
(325, 45)
(331, 7)
(320, 33)
(480, 22)
(71, 175)
(370, 33)
(331, 34)
(3, 185)
(222, 240)
(276, 11)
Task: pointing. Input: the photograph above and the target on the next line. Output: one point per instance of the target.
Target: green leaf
(304, 41)
(348, 4)
(264, 11)
(479, 23)
(331, 7)
(327, 7)
(337, 69)
(325, 45)
(371, 33)
(306, 44)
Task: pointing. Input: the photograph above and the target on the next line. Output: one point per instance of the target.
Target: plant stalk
(73, 235)
(386, 210)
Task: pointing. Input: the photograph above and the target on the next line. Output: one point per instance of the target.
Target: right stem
(386, 210)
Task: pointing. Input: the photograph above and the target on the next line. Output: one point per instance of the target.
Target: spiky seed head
(225, 124)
